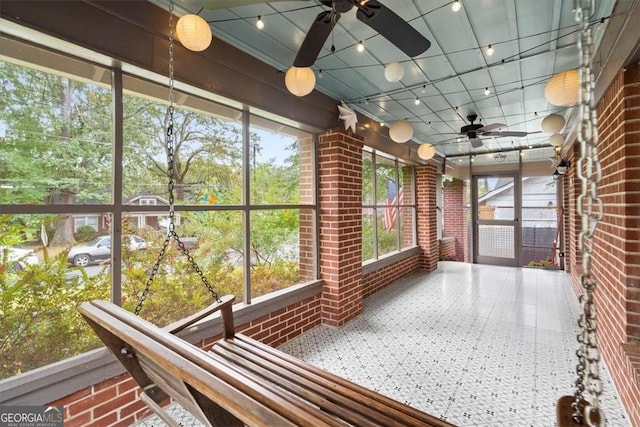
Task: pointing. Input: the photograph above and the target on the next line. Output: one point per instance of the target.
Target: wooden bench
(240, 381)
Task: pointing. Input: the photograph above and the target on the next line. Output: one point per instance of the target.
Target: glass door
(496, 227)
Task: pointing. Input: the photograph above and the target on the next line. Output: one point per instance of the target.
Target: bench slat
(335, 382)
(305, 397)
(335, 400)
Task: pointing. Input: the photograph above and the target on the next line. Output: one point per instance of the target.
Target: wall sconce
(562, 167)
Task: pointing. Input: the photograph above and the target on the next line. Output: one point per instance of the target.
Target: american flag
(394, 197)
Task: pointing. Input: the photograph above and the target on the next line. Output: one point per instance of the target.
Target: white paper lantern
(193, 32)
(426, 151)
(394, 72)
(300, 81)
(400, 131)
(556, 140)
(553, 123)
(563, 89)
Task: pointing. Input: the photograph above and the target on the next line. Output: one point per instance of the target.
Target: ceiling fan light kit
(400, 131)
(563, 88)
(553, 123)
(300, 81)
(193, 32)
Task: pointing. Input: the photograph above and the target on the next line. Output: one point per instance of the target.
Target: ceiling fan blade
(393, 28)
(225, 4)
(315, 38)
(491, 127)
(475, 142)
(507, 133)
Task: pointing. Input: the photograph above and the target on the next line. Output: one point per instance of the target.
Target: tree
(57, 145)
(205, 148)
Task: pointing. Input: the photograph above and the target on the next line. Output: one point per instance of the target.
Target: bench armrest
(224, 306)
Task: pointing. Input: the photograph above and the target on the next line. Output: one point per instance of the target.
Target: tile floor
(475, 345)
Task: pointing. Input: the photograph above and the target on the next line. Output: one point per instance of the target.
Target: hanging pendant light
(400, 131)
(394, 72)
(193, 32)
(426, 151)
(556, 140)
(300, 81)
(553, 123)
(563, 88)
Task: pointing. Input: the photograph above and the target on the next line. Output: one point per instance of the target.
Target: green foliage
(85, 233)
(38, 306)
(541, 263)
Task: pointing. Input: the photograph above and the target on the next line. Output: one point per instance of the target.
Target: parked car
(99, 249)
(17, 259)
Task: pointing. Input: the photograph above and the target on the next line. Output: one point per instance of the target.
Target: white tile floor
(475, 345)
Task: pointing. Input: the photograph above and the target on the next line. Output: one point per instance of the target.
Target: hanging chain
(590, 208)
(171, 234)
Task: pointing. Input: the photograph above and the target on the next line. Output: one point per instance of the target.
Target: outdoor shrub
(85, 233)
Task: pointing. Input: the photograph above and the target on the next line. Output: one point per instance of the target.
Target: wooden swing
(582, 408)
(239, 381)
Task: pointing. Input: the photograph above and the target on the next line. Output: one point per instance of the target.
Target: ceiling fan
(475, 130)
(371, 12)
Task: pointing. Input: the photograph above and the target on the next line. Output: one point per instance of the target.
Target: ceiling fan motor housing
(469, 129)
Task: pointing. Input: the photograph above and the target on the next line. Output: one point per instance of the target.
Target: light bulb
(360, 46)
(417, 101)
(487, 91)
(490, 51)
(260, 23)
(456, 5)
(320, 75)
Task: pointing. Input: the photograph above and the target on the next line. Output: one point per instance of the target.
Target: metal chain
(171, 187)
(590, 208)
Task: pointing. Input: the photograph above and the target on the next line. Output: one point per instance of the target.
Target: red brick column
(616, 242)
(340, 204)
(426, 201)
(454, 216)
(307, 216)
(407, 238)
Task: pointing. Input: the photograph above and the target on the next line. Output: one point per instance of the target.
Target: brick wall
(115, 402)
(383, 277)
(454, 217)
(448, 249)
(340, 205)
(616, 255)
(426, 200)
(306, 147)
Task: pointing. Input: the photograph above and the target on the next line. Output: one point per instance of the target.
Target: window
(244, 202)
(91, 221)
(388, 206)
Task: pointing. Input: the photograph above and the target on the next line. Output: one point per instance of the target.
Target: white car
(99, 249)
(16, 258)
